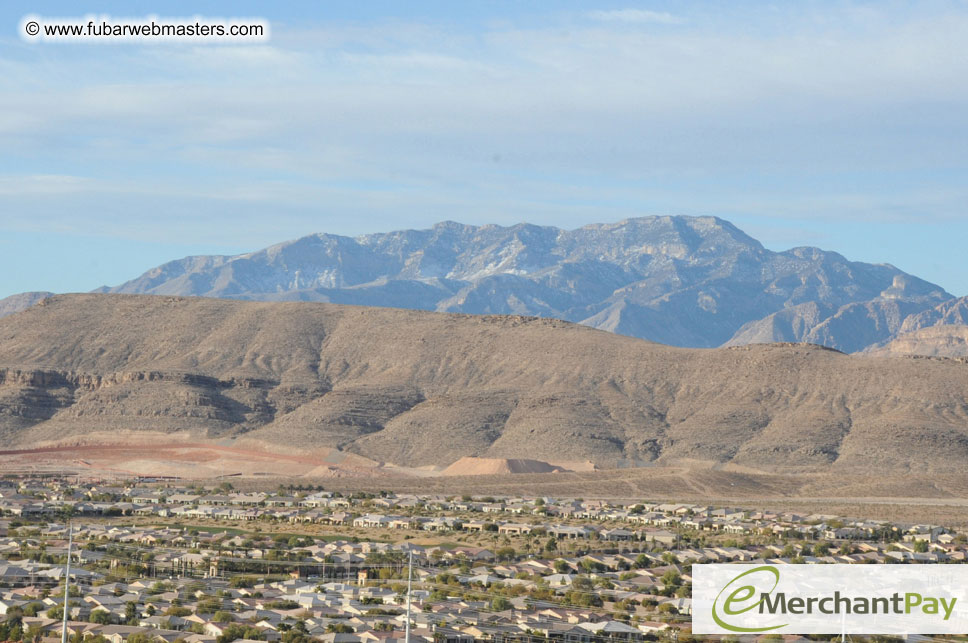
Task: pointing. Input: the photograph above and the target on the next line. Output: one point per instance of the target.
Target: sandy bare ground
(161, 455)
(178, 459)
(468, 466)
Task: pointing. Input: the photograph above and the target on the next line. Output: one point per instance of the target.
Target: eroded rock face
(417, 388)
(931, 341)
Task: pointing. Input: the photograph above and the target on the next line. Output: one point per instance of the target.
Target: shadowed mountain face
(684, 281)
(418, 388)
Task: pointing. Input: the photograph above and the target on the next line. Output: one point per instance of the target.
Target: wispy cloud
(635, 16)
(806, 112)
(43, 184)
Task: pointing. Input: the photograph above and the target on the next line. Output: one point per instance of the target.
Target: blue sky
(837, 124)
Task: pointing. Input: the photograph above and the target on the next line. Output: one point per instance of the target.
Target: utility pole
(67, 579)
(409, 587)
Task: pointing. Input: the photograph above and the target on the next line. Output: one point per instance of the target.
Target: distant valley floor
(897, 496)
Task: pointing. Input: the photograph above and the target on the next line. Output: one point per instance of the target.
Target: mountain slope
(951, 312)
(850, 328)
(16, 303)
(417, 388)
(685, 281)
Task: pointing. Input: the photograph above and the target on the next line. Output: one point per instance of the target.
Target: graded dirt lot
(182, 460)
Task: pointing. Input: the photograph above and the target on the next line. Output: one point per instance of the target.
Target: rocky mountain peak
(686, 281)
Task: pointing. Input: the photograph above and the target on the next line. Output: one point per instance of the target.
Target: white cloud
(509, 120)
(43, 184)
(635, 16)
(232, 59)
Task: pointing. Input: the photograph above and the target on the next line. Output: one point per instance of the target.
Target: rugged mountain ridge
(939, 331)
(953, 312)
(684, 281)
(417, 388)
(850, 328)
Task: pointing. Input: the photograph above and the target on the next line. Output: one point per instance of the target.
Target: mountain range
(419, 388)
(683, 281)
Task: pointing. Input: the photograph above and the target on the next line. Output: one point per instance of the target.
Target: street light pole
(409, 587)
(67, 579)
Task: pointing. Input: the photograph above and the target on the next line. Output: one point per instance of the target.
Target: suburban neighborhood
(161, 561)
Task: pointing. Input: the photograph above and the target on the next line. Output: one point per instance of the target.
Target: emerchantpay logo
(830, 599)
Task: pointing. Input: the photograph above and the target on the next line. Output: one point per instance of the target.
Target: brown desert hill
(417, 388)
(930, 341)
(468, 466)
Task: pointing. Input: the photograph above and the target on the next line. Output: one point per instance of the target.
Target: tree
(177, 610)
(222, 616)
(505, 553)
(131, 613)
(282, 604)
(16, 632)
(236, 631)
(31, 609)
(210, 605)
(671, 578)
(500, 604)
(297, 634)
(159, 587)
(101, 617)
(242, 581)
(33, 633)
(340, 628)
(582, 583)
